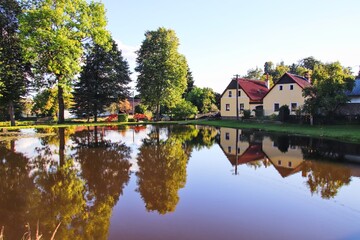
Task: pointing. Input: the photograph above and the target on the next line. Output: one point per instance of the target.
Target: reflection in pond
(82, 176)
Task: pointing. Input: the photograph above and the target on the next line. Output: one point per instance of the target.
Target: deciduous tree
(162, 69)
(54, 34)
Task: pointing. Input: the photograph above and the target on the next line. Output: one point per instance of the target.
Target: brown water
(178, 183)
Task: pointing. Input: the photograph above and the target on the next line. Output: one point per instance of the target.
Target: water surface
(182, 182)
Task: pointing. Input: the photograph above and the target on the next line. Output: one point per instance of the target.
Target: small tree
(284, 113)
(184, 110)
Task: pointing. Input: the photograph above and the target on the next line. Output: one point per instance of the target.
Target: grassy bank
(348, 133)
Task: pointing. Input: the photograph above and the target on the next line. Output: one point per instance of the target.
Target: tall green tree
(330, 82)
(254, 73)
(162, 69)
(54, 34)
(103, 81)
(13, 77)
(190, 82)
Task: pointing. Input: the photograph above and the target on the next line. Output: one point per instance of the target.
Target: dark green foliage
(190, 82)
(123, 117)
(13, 78)
(140, 108)
(202, 98)
(247, 114)
(284, 113)
(103, 80)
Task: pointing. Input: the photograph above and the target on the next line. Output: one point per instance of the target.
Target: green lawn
(349, 133)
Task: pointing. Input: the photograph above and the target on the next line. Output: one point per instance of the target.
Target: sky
(226, 37)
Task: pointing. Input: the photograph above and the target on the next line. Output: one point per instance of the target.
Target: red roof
(252, 153)
(302, 82)
(254, 89)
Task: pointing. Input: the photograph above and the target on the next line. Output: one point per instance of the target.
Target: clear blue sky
(227, 37)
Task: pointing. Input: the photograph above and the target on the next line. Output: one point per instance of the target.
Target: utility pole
(237, 96)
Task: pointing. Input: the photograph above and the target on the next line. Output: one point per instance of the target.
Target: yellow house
(249, 94)
(286, 91)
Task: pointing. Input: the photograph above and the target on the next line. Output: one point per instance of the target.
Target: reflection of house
(285, 163)
(230, 142)
(250, 95)
(286, 91)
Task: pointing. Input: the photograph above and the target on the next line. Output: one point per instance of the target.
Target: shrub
(140, 116)
(247, 114)
(284, 113)
(183, 110)
(122, 117)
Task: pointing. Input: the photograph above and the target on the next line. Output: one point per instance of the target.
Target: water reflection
(317, 160)
(77, 176)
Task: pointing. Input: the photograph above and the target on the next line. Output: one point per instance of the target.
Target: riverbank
(348, 133)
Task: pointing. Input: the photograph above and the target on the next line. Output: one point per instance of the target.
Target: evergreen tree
(13, 79)
(103, 81)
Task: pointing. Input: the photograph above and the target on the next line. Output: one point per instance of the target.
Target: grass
(348, 133)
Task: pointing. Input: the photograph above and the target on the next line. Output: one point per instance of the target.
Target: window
(238, 150)
(279, 162)
(276, 107)
(280, 88)
(227, 106)
(289, 164)
(227, 136)
(239, 93)
(291, 87)
(241, 106)
(293, 107)
(229, 149)
(230, 93)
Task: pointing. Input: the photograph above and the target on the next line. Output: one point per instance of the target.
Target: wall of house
(228, 141)
(283, 97)
(225, 99)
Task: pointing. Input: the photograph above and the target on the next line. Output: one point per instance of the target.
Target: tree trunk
(61, 146)
(61, 118)
(158, 112)
(11, 113)
(311, 120)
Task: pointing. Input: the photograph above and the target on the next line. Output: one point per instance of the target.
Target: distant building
(351, 108)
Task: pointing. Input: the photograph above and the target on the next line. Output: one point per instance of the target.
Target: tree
(184, 110)
(202, 98)
(254, 73)
(162, 70)
(54, 34)
(103, 81)
(13, 68)
(330, 83)
(190, 82)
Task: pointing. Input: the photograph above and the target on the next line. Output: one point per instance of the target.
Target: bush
(247, 114)
(284, 113)
(140, 108)
(122, 117)
(184, 110)
(131, 120)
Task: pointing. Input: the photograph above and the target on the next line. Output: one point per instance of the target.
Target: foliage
(46, 101)
(125, 106)
(54, 34)
(162, 172)
(103, 80)
(140, 108)
(13, 67)
(183, 110)
(140, 116)
(122, 117)
(247, 114)
(190, 82)
(330, 83)
(284, 113)
(162, 70)
(254, 73)
(202, 98)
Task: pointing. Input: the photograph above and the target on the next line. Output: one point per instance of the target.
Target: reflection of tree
(16, 190)
(106, 170)
(283, 143)
(326, 178)
(162, 172)
(205, 137)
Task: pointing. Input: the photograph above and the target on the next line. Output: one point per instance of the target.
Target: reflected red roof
(252, 153)
(254, 89)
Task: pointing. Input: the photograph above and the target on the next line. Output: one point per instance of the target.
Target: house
(286, 91)
(249, 94)
(351, 108)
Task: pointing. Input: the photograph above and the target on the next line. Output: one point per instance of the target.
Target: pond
(177, 182)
